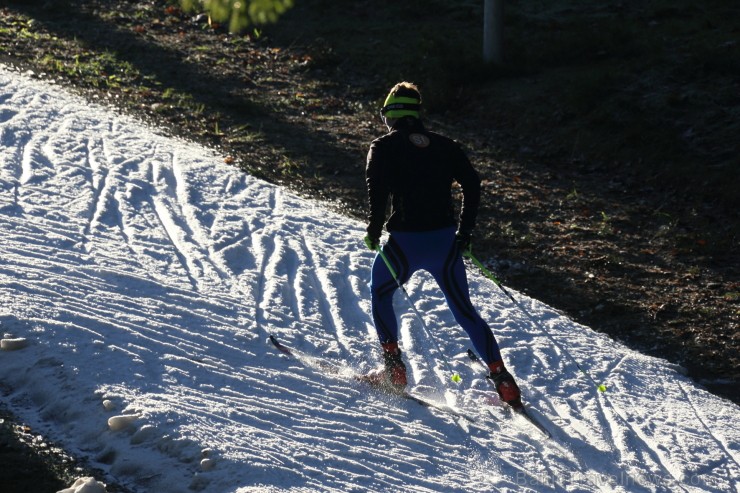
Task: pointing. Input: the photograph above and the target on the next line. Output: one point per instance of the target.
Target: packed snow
(140, 278)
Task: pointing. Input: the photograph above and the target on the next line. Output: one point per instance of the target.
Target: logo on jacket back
(419, 140)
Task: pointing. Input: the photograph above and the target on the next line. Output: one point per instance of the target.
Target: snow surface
(140, 277)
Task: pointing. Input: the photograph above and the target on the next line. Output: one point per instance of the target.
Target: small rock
(121, 422)
(207, 464)
(13, 344)
(85, 485)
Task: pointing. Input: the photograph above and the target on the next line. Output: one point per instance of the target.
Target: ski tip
(280, 346)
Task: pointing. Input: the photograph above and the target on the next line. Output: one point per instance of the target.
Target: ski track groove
(549, 468)
(631, 452)
(565, 448)
(27, 162)
(561, 448)
(579, 442)
(190, 222)
(15, 170)
(170, 200)
(172, 230)
(172, 336)
(263, 254)
(112, 206)
(623, 452)
(720, 443)
(328, 322)
(334, 449)
(98, 181)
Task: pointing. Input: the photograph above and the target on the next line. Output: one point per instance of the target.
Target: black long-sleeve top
(416, 168)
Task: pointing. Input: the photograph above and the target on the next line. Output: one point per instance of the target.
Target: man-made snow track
(145, 275)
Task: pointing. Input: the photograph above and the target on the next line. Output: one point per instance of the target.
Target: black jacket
(416, 168)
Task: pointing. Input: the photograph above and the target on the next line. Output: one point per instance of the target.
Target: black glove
(372, 243)
(462, 239)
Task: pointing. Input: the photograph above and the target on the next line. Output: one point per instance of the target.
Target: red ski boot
(505, 385)
(392, 376)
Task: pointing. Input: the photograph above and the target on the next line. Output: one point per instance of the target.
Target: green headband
(398, 107)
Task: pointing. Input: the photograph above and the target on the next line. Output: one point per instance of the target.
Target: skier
(416, 168)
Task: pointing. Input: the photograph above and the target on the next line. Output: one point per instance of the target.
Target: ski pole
(455, 376)
(489, 275)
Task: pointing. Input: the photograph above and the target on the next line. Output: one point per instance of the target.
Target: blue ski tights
(436, 252)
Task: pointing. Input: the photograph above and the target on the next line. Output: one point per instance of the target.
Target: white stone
(13, 344)
(85, 485)
(121, 422)
(207, 464)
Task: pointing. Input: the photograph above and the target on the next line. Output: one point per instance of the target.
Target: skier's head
(403, 100)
